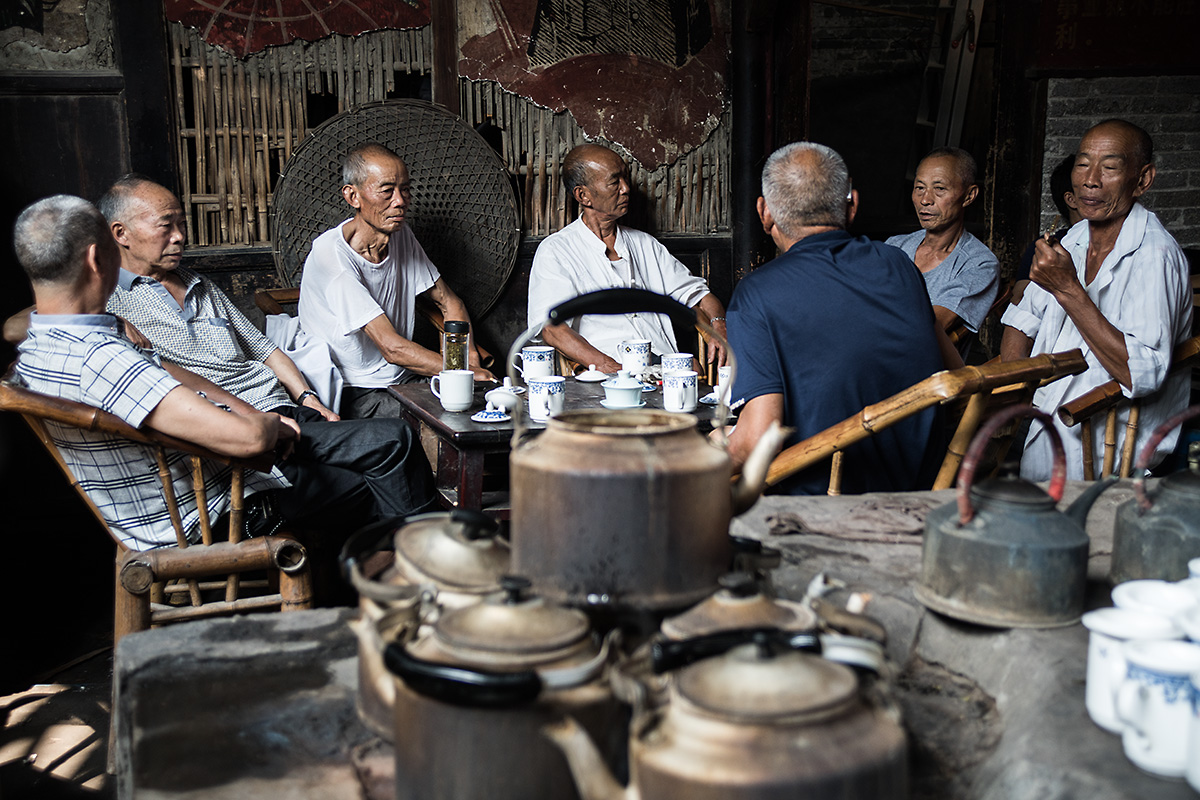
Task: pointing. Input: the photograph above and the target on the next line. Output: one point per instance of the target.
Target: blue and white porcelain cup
(680, 390)
(1109, 629)
(1193, 758)
(537, 361)
(1154, 704)
(676, 361)
(547, 395)
(634, 354)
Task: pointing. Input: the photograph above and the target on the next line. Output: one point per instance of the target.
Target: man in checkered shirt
(75, 350)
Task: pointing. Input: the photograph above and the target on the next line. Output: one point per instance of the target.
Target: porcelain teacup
(1154, 704)
(1109, 629)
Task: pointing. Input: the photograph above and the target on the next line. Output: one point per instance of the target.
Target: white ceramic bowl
(1154, 596)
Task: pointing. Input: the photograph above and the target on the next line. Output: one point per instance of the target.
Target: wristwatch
(306, 394)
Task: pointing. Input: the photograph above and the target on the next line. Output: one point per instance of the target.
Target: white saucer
(591, 376)
(648, 387)
(513, 389)
(606, 404)
(490, 416)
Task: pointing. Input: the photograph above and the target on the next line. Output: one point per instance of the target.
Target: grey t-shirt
(966, 282)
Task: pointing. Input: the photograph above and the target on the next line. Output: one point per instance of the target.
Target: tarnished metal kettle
(1003, 554)
(1156, 535)
(628, 509)
(760, 722)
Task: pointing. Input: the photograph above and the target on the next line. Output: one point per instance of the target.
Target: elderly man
(193, 326)
(594, 252)
(831, 325)
(961, 274)
(362, 281)
(75, 350)
(1115, 287)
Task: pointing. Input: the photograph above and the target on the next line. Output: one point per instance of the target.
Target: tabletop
(458, 426)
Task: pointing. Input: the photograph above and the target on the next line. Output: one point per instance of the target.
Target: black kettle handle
(669, 654)
(462, 686)
(621, 301)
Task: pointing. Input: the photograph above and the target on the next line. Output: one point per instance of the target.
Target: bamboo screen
(238, 122)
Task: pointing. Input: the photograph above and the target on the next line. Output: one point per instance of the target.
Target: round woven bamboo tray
(463, 210)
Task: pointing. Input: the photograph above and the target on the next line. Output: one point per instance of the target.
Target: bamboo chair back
(1107, 399)
(982, 386)
(146, 578)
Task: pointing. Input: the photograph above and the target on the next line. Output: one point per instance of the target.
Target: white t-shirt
(340, 292)
(573, 262)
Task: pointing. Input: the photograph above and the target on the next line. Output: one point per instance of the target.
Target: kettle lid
(1013, 490)
(512, 622)
(739, 604)
(455, 550)
(751, 684)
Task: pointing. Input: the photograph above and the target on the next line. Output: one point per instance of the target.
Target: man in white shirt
(362, 281)
(1116, 287)
(593, 253)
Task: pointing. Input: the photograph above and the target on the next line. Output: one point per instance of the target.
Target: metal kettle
(1156, 535)
(1003, 555)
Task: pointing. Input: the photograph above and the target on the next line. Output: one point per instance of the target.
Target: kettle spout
(1078, 511)
(754, 473)
(593, 779)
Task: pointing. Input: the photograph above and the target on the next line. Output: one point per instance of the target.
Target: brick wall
(849, 42)
(1168, 107)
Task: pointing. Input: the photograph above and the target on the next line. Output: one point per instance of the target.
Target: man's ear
(350, 195)
(1145, 180)
(971, 193)
(1069, 199)
(764, 214)
(852, 208)
(120, 233)
(582, 197)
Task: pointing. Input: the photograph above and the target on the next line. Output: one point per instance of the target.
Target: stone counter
(263, 706)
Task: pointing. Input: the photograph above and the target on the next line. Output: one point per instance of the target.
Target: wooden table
(463, 446)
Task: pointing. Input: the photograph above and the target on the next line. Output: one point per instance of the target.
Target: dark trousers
(360, 402)
(349, 473)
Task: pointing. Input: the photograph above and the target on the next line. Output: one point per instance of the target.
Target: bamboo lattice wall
(238, 122)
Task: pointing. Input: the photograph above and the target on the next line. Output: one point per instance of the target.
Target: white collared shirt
(1143, 289)
(572, 262)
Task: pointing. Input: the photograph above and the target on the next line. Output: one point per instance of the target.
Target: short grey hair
(116, 202)
(805, 184)
(52, 235)
(354, 165)
(967, 169)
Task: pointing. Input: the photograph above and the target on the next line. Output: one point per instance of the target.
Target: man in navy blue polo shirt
(833, 324)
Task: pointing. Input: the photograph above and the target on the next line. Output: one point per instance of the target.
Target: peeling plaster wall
(78, 35)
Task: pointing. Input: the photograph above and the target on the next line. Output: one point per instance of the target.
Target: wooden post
(443, 25)
(1089, 455)
(1110, 442)
(1131, 429)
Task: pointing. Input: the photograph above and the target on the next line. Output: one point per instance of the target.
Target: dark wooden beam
(443, 25)
(140, 42)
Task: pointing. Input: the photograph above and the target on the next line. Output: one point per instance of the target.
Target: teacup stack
(1143, 673)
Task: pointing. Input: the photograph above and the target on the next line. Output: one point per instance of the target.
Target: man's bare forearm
(567, 341)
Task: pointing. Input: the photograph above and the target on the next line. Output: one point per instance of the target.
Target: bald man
(1117, 287)
(595, 252)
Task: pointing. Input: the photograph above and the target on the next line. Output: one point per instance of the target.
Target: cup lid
(623, 380)
(1124, 623)
(456, 326)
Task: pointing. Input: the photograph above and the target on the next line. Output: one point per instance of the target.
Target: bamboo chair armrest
(67, 412)
(139, 570)
(270, 301)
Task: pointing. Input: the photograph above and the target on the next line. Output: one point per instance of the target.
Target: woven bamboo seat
(463, 210)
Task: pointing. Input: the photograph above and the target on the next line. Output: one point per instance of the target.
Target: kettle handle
(1139, 481)
(462, 686)
(966, 475)
(670, 654)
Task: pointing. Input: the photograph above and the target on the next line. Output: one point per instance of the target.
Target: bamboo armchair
(982, 387)
(190, 573)
(958, 330)
(1108, 399)
(272, 301)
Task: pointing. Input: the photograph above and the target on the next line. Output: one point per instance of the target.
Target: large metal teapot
(1003, 554)
(1155, 536)
(629, 509)
(760, 722)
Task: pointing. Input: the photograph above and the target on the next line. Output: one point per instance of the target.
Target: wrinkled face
(1106, 177)
(607, 189)
(154, 232)
(381, 201)
(938, 194)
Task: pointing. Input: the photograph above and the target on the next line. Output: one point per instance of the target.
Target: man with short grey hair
(833, 324)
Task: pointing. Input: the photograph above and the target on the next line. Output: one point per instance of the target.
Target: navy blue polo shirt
(835, 324)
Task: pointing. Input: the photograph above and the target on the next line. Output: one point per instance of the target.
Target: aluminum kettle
(1156, 535)
(1002, 554)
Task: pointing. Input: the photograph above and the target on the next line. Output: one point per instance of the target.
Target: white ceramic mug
(454, 387)
(546, 396)
(1193, 757)
(724, 384)
(1154, 704)
(537, 361)
(634, 354)
(1109, 629)
(679, 390)
(673, 361)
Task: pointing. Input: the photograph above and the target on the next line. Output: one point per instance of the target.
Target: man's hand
(286, 437)
(482, 374)
(1053, 269)
(717, 353)
(314, 402)
(135, 337)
